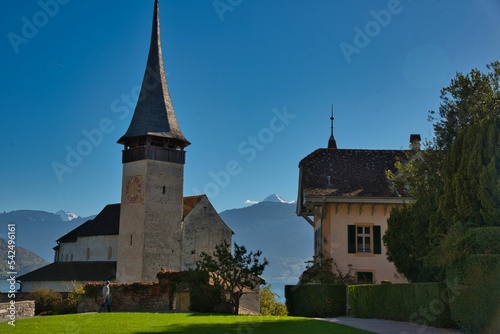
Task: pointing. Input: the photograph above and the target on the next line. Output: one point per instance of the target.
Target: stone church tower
(153, 159)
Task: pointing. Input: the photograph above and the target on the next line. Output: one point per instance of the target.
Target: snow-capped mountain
(271, 198)
(67, 215)
(274, 198)
(273, 227)
(38, 230)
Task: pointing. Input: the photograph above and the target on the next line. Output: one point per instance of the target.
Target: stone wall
(134, 297)
(14, 310)
(203, 230)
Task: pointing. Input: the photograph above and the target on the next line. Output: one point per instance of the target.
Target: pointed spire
(154, 113)
(331, 142)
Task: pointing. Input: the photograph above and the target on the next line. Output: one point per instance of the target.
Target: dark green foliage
(483, 240)
(408, 245)
(197, 279)
(269, 305)
(323, 270)
(47, 301)
(476, 271)
(421, 303)
(205, 298)
(233, 274)
(316, 300)
(456, 183)
(477, 303)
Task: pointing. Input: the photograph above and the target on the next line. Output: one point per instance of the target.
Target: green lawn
(174, 323)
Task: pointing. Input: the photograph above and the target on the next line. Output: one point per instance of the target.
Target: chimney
(415, 142)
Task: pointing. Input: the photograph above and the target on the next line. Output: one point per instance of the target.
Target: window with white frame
(363, 239)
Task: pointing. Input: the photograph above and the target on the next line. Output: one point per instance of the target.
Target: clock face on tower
(133, 189)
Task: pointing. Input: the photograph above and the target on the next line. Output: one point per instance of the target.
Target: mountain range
(25, 260)
(270, 226)
(38, 230)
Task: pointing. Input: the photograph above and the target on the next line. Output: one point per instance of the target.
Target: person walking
(106, 298)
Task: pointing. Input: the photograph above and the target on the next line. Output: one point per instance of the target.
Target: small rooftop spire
(154, 113)
(331, 142)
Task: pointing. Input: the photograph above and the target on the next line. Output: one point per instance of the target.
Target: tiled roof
(107, 222)
(154, 113)
(349, 172)
(189, 202)
(70, 271)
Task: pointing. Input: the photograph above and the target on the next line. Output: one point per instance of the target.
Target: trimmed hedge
(476, 306)
(421, 303)
(316, 300)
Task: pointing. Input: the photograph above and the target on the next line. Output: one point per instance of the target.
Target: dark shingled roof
(154, 114)
(352, 173)
(70, 271)
(107, 222)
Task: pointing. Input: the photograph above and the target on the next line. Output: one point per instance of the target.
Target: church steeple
(151, 209)
(331, 142)
(154, 119)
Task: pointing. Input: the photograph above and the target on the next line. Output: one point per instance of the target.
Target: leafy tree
(456, 181)
(233, 274)
(269, 305)
(323, 270)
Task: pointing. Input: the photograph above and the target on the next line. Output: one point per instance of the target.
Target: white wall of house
(94, 248)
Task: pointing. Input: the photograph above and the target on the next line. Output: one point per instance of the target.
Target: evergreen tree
(456, 181)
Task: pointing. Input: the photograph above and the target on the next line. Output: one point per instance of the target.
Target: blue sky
(252, 83)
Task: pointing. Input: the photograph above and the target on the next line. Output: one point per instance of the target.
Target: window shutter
(351, 239)
(377, 240)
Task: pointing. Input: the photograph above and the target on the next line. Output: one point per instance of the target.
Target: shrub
(46, 301)
(205, 298)
(423, 303)
(70, 303)
(269, 305)
(316, 300)
(477, 293)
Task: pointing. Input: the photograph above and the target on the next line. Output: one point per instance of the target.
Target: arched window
(110, 252)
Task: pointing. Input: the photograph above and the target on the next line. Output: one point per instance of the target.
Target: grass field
(174, 323)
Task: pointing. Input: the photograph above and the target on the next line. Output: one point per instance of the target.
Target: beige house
(345, 195)
(154, 227)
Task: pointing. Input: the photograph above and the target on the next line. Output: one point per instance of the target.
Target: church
(154, 226)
